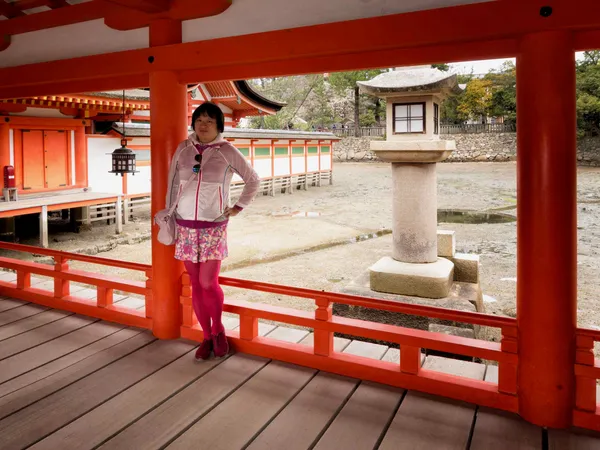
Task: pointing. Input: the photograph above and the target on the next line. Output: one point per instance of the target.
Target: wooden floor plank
(164, 423)
(39, 383)
(31, 424)
(42, 354)
(32, 322)
(46, 333)
(307, 416)
(111, 417)
(363, 419)
(497, 430)
(19, 313)
(573, 440)
(10, 303)
(241, 416)
(426, 422)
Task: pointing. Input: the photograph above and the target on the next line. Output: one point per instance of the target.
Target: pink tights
(207, 295)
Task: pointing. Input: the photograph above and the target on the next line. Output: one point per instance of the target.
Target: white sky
(482, 67)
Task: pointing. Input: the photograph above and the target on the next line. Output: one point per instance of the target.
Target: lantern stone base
(462, 297)
(430, 280)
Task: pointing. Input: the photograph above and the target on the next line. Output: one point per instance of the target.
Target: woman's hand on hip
(231, 212)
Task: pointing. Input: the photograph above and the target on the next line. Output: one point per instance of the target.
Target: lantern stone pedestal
(414, 267)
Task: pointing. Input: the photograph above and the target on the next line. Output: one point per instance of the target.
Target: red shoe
(204, 351)
(220, 345)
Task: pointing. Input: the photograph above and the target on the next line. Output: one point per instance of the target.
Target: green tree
(504, 92)
(588, 94)
(442, 67)
(475, 103)
(344, 81)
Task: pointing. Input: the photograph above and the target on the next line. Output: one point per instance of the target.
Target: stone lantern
(413, 147)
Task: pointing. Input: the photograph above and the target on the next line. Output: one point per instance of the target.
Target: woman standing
(199, 179)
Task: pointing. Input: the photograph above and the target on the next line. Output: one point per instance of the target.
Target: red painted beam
(146, 6)
(130, 81)
(55, 4)
(587, 40)
(122, 17)
(5, 41)
(54, 18)
(12, 107)
(9, 10)
(486, 30)
(29, 4)
(116, 15)
(471, 51)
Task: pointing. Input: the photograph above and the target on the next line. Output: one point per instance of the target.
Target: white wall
(140, 182)
(100, 163)
(326, 161)
(282, 166)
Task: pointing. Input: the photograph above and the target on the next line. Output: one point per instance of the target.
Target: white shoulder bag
(165, 219)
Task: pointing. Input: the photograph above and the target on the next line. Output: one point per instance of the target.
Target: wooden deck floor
(73, 382)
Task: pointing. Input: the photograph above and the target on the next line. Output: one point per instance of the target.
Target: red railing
(407, 374)
(587, 373)
(101, 307)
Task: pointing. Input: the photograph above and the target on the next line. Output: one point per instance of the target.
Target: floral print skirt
(202, 244)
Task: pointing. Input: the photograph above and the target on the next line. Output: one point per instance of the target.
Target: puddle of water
(489, 299)
(504, 208)
(509, 279)
(472, 217)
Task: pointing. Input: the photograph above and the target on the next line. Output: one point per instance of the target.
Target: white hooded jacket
(205, 195)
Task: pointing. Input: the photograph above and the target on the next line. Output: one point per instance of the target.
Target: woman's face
(206, 128)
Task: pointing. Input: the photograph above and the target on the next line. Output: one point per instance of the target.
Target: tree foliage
(344, 82)
(475, 102)
(442, 67)
(588, 94)
(317, 101)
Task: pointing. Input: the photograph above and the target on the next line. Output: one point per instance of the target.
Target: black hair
(212, 111)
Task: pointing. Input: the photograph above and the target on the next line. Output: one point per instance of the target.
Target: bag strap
(174, 205)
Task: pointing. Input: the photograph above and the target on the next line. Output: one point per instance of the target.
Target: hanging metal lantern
(123, 160)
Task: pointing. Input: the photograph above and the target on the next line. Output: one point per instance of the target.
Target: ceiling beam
(55, 4)
(124, 18)
(81, 12)
(114, 13)
(9, 10)
(56, 87)
(146, 6)
(477, 31)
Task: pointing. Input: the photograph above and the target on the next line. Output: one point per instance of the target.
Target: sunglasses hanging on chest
(196, 168)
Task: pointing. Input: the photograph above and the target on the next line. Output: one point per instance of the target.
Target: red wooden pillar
(546, 228)
(168, 103)
(81, 158)
(4, 145)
